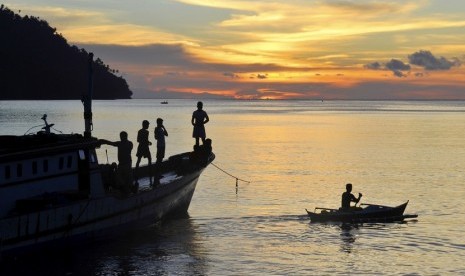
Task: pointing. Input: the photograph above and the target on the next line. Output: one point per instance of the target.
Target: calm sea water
(296, 155)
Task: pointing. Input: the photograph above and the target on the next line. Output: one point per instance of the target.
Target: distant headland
(37, 63)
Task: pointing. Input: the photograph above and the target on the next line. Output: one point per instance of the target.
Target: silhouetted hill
(37, 63)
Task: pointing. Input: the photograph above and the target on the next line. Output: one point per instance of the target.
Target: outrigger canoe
(370, 213)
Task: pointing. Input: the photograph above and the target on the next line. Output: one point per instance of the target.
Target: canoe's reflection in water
(348, 236)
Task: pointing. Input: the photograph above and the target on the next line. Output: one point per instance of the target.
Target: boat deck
(165, 179)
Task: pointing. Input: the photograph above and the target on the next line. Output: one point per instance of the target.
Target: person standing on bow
(348, 197)
(199, 119)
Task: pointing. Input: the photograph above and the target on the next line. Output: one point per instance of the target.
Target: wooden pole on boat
(87, 99)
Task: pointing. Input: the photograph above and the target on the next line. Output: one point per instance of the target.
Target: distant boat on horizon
(164, 102)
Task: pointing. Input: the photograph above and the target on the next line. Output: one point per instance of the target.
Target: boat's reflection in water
(172, 247)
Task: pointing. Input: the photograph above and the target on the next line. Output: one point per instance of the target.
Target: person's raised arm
(106, 142)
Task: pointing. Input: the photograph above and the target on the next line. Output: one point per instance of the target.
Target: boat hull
(98, 218)
(372, 213)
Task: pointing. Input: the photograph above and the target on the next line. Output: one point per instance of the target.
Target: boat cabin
(34, 169)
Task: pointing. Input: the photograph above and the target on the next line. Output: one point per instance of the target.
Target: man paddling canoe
(348, 197)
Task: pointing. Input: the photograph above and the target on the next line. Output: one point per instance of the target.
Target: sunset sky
(294, 49)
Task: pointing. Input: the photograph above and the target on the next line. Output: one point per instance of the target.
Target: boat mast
(87, 100)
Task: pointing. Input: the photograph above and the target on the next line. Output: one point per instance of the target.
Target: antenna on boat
(87, 100)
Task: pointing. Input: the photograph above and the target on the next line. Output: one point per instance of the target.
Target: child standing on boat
(160, 133)
(144, 143)
(199, 119)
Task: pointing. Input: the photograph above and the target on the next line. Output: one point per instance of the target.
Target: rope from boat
(235, 177)
(42, 126)
(57, 130)
(32, 128)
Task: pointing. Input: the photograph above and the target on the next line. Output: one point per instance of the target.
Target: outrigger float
(370, 213)
(53, 191)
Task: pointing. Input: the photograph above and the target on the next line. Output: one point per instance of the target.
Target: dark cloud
(427, 60)
(421, 58)
(231, 75)
(394, 65)
(398, 73)
(373, 66)
(258, 76)
(397, 65)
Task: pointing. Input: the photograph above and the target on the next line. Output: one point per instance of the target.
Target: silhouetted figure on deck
(160, 133)
(348, 197)
(207, 147)
(201, 153)
(195, 155)
(199, 119)
(143, 148)
(124, 171)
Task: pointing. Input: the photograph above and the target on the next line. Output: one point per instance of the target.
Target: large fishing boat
(53, 191)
